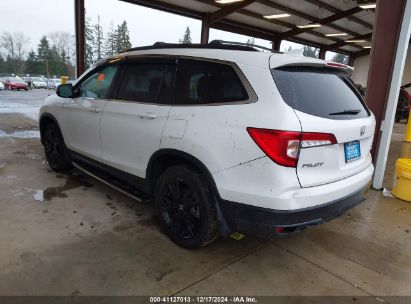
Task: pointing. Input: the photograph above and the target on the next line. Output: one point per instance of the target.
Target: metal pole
(351, 61)
(205, 30)
(79, 20)
(394, 88)
(322, 53)
(276, 44)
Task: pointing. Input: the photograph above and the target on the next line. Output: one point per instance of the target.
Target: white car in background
(226, 138)
(1, 86)
(53, 83)
(38, 82)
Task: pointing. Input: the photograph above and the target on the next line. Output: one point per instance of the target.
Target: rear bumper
(262, 183)
(269, 223)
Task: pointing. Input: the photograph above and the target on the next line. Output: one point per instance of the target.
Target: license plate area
(352, 151)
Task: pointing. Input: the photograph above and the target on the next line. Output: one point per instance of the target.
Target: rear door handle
(147, 115)
(94, 109)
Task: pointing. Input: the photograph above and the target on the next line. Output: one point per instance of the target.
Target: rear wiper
(346, 112)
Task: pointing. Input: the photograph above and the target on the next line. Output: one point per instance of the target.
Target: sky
(146, 25)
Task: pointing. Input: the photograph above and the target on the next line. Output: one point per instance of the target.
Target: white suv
(226, 138)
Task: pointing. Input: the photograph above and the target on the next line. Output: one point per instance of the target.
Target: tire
(186, 207)
(55, 149)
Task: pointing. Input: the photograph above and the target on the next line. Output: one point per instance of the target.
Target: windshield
(16, 80)
(323, 92)
(37, 79)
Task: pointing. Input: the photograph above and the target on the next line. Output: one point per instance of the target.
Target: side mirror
(65, 90)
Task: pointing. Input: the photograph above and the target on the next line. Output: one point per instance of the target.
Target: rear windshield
(323, 92)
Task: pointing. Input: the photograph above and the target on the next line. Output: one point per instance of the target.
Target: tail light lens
(317, 139)
(283, 146)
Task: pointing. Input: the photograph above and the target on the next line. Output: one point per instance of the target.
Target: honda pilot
(224, 137)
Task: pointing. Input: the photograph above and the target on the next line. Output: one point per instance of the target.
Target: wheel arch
(46, 119)
(165, 158)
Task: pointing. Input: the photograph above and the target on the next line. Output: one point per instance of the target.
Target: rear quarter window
(204, 82)
(322, 92)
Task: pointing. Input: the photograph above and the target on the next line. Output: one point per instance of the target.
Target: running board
(106, 182)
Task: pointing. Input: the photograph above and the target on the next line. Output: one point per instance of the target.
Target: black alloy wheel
(55, 149)
(186, 207)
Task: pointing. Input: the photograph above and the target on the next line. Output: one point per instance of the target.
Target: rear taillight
(283, 146)
(317, 139)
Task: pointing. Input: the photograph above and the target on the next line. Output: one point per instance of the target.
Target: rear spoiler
(341, 66)
(321, 63)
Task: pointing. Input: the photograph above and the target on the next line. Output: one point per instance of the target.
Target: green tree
(311, 51)
(43, 54)
(54, 61)
(33, 65)
(250, 41)
(88, 33)
(340, 58)
(2, 64)
(187, 36)
(57, 62)
(9, 66)
(98, 45)
(122, 37)
(110, 46)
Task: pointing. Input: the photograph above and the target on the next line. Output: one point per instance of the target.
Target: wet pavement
(72, 235)
(26, 103)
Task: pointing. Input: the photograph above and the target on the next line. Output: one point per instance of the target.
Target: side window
(98, 84)
(204, 82)
(148, 83)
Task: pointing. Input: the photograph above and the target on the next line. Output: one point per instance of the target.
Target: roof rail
(215, 44)
(252, 45)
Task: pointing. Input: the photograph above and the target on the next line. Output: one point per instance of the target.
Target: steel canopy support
(276, 44)
(389, 49)
(351, 60)
(79, 21)
(342, 43)
(328, 7)
(205, 30)
(321, 55)
(324, 21)
(228, 10)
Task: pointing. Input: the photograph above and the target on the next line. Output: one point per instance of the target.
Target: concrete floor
(72, 235)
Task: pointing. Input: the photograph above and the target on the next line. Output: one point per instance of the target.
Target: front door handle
(94, 109)
(147, 115)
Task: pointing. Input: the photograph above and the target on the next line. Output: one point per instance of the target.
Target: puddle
(20, 134)
(59, 191)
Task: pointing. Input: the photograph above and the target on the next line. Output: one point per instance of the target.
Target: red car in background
(14, 83)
